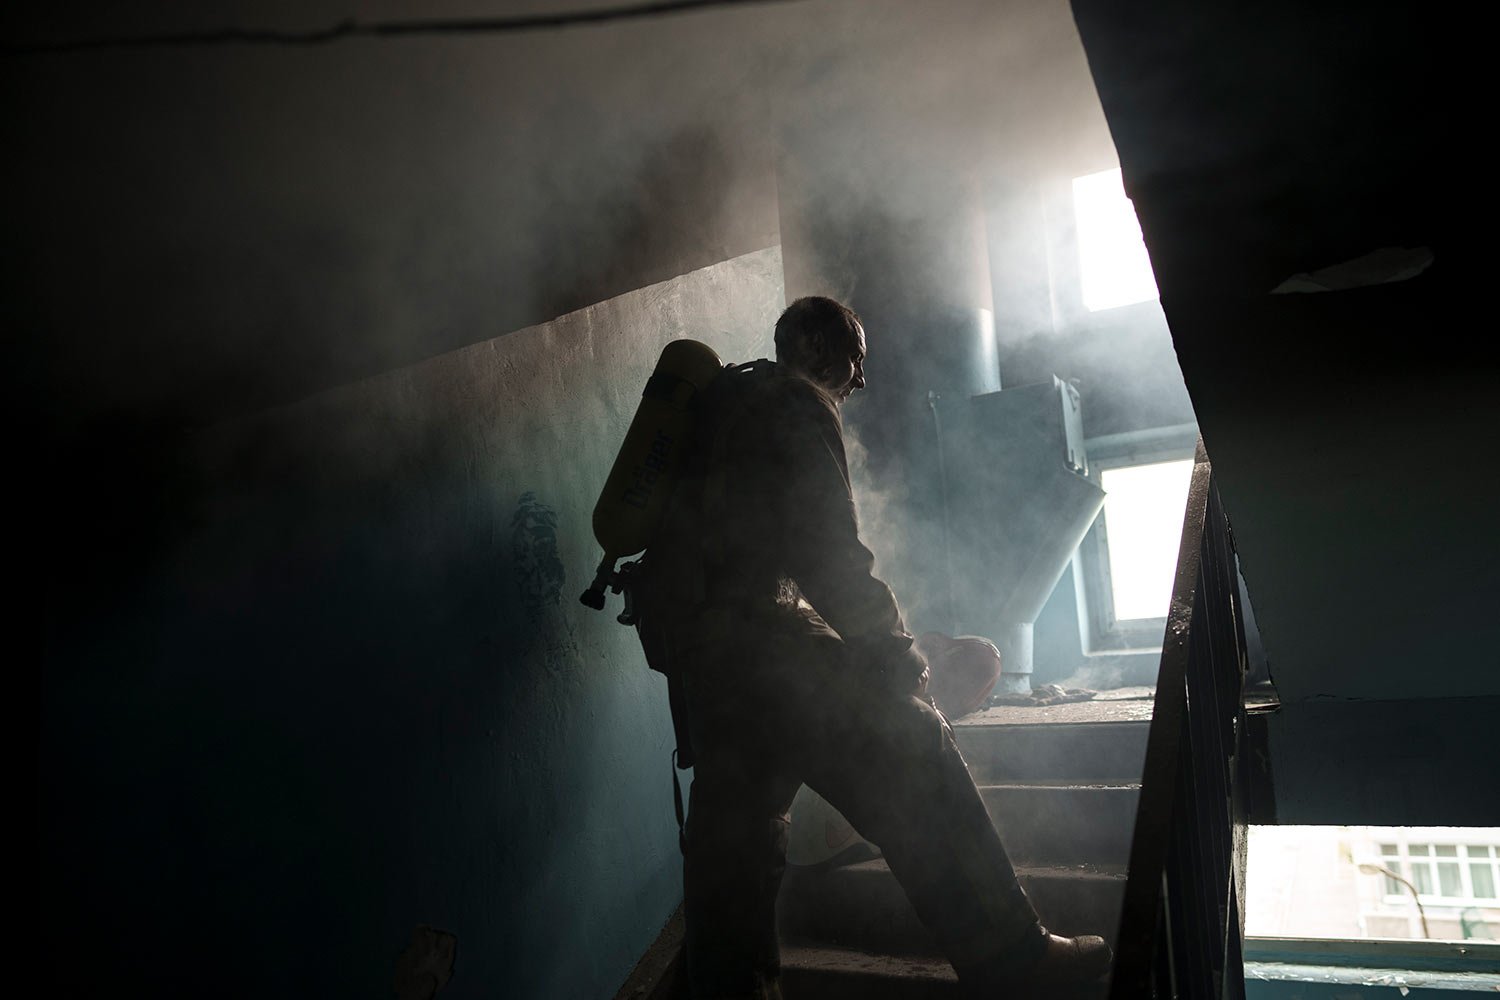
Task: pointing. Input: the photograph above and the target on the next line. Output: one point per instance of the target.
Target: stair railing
(1182, 921)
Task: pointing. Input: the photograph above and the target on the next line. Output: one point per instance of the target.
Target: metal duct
(1019, 503)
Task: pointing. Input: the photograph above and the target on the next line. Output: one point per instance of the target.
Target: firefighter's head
(823, 341)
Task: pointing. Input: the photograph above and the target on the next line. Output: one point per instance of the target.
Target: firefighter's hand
(907, 673)
(922, 679)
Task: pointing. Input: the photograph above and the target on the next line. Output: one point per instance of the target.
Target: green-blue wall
(355, 692)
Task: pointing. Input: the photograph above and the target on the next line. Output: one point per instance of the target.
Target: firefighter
(795, 666)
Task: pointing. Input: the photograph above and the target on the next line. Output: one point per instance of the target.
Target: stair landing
(1132, 704)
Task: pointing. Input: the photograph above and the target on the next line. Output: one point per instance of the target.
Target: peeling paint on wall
(538, 570)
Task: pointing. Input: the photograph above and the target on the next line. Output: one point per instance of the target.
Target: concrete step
(863, 906)
(838, 974)
(823, 973)
(1062, 796)
(1097, 752)
(1065, 823)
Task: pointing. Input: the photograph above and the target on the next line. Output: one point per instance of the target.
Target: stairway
(1062, 793)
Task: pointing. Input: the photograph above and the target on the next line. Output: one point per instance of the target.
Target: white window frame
(1405, 862)
(1101, 633)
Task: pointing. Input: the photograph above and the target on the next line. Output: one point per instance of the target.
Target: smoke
(879, 519)
(255, 224)
(212, 232)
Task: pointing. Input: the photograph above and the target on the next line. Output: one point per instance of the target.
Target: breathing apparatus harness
(658, 482)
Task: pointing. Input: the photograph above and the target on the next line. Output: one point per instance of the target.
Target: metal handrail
(1182, 923)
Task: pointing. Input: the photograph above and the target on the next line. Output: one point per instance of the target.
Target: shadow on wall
(700, 194)
(360, 696)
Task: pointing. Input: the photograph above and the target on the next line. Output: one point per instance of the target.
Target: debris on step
(1047, 694)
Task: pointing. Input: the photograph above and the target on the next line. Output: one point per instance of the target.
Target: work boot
(1069, 962)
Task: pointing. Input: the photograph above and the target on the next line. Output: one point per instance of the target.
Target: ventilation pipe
(902, 241)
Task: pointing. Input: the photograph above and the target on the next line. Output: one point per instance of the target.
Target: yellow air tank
(631, 503)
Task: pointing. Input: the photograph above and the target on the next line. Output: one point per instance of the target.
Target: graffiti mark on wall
(538, 568)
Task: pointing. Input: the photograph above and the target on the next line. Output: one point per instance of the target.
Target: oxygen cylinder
(645, 470)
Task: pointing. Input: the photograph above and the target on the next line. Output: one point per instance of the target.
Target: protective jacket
(763, 525)
(789, 662)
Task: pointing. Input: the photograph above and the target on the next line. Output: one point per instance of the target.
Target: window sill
(1364, 960)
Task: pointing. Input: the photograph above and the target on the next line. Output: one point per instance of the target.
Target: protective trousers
(782, 707)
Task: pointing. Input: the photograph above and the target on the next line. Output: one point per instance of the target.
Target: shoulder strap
(739, 382)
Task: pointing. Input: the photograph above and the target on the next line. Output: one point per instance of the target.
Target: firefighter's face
(843, 370)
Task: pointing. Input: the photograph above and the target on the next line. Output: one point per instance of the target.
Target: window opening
(1127, 564)
(1114, 267)
(1393, 883)
(1143, 509)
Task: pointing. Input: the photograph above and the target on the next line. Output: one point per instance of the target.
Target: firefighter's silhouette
(789, 662)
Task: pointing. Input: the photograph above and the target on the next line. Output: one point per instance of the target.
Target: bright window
(1126, 565)
(1112, 258)
(1143, 508)
(1349, 882)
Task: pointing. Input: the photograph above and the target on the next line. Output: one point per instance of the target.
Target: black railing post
(1181, 921)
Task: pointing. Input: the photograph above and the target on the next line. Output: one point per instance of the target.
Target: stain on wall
(359, 694)
(539, 571)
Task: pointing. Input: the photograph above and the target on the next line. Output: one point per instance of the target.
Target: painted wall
(1360, 510)
(317, 676)
(1388, 762)
(1348, 428)
(358, 692)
